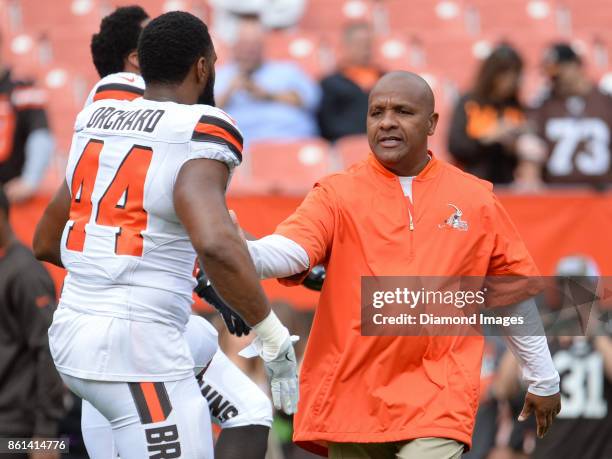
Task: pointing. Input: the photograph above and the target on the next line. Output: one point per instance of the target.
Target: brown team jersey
(577, 131)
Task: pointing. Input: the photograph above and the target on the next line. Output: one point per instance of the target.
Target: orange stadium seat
(352, 149)
(299, 47)
(424, 15)
(590, 15)
(287, 167)
(332, 15)
(515, 16)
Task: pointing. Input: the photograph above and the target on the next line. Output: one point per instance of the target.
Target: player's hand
(204, 289)
(545, 409)
(282, 371)
(18, 190)
(315, 278)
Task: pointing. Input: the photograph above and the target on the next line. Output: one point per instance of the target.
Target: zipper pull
(411, 222)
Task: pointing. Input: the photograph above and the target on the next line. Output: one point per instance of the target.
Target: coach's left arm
(510, 260)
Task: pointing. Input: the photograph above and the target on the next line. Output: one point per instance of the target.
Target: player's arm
(199, 199)
(48, 234)
(199, 202)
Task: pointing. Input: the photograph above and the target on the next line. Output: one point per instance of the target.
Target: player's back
(127, 255)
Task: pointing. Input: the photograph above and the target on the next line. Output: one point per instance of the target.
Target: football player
(115, 57)
(144, 192)
(583, 426)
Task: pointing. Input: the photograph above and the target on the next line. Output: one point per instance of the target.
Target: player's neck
(166, 93)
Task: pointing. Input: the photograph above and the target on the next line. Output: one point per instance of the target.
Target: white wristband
(272, 334)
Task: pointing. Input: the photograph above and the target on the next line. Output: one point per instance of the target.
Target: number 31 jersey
(129, 259)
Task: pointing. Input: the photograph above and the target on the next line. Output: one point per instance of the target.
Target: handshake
(234, 323)
(280, 365)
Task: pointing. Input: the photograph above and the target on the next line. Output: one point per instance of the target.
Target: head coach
(389, 215)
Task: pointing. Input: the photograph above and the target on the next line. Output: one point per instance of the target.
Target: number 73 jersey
(126, 252)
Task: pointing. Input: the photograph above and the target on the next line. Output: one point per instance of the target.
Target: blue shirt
(270, 120)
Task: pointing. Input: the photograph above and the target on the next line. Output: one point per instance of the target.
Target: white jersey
(120, 86)
(128, 292)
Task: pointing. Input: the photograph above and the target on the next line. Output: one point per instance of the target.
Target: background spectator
(31, 391)
(344, 101)
(270, 100)
(26, 143)
(573, 120)
(488, 119)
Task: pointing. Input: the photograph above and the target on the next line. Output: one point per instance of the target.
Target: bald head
(411, 85)
(400, 119)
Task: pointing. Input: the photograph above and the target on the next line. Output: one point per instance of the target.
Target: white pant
(233, 401)
(162, 420)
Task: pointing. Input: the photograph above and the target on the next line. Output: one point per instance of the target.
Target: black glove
(315, 278)
(235, 324)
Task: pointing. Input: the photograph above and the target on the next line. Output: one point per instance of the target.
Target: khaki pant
(421, 448)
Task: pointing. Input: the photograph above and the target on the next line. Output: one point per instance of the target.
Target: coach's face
(400, 118)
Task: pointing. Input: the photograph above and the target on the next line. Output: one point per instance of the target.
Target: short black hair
(4, 202)
(560, 53)
(170, 44)
(117, 38)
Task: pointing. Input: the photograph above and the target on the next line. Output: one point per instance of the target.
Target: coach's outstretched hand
(545, 409)
(282, 371)
(204, 289)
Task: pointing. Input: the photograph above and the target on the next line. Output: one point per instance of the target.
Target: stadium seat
(288, 167)
(352, 149)
(425, 15)
(515, 16)
(332, 15)
(590, 15)
(299, 47)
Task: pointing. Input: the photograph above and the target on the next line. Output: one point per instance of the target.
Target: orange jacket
(383, 388)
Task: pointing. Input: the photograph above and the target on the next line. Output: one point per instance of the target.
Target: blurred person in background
(344, 101)
(569, 141)
(583, 426)
(31, 391)
(488, 119)
(26, 143)
(270, 100)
